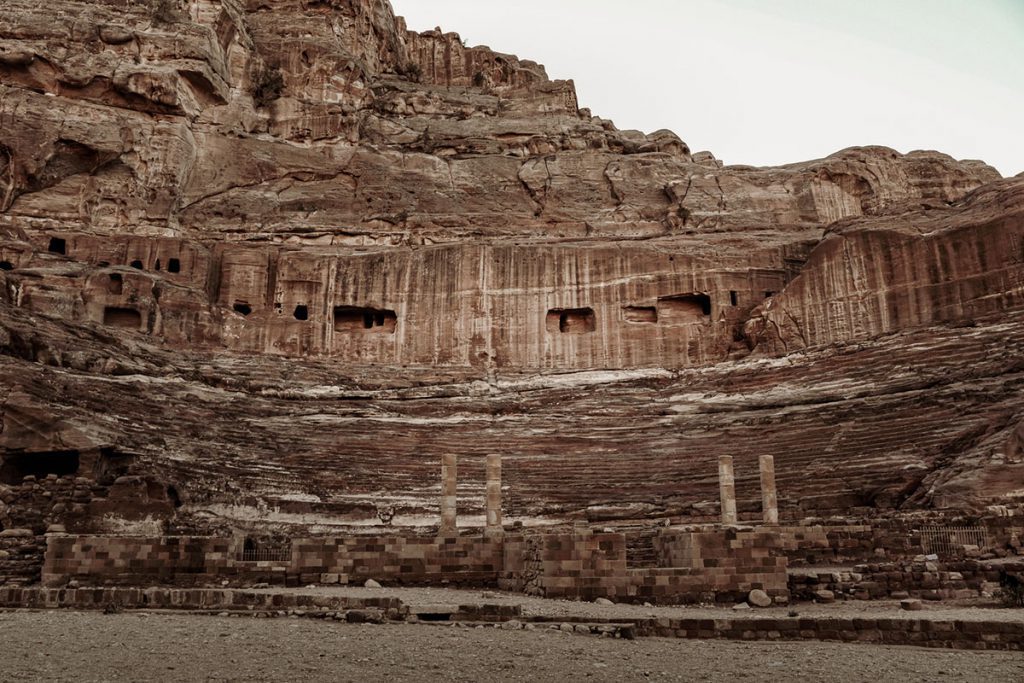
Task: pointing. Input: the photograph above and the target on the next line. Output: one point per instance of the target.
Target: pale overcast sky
(767, 82)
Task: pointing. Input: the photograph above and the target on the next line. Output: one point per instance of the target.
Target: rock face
(263, 263)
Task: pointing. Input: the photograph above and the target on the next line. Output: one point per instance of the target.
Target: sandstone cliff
(263, 262)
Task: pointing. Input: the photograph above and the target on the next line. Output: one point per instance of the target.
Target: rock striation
(263, 263)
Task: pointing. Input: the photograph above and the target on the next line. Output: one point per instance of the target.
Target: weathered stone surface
(758, 598)
(261, 264)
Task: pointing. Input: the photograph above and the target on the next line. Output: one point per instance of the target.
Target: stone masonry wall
(194, 560)
(719, 564)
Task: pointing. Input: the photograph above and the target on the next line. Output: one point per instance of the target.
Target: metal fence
(267, 555)
(948, 541)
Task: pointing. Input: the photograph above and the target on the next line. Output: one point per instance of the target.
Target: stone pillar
(727, 489)
(494, 495)
(769, 495)
(449, 482)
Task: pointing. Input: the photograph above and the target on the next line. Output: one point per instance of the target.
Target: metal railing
(266, 555)
(949, 541)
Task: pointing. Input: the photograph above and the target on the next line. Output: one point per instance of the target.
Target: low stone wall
(888, 540)
(197, 560)
(409, 560)
(195, 599)
(929, 580)
(697, 566)
(21, 555)
(969, 635)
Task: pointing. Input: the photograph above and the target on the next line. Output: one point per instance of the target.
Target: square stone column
(727, 489)
(449, 484)
(493, 495)
(769, 494)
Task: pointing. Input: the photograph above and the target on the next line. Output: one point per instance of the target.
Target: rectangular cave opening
(17, 466)
(173, 265)
(110, 465)
(58, 245)
(685, 308)
(572, 320)
(122, 317)
(640, 314)
(349, 319)
(733, 297)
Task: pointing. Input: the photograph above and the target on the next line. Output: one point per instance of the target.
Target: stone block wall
(694, 566)
(469, 560)
(21, 555)
(582, 565)
(136, 560)
(730, 561)
(928, 580)
(889, 540)
(195, 560)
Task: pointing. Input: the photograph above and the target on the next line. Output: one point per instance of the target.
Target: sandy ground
(420, 598)
(91, 646)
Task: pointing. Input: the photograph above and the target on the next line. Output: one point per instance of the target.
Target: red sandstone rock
(263, 263)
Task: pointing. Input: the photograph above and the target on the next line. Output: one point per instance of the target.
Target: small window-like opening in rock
(684, 308)
(17, 466)
(156, 266)
(173, 265)
(111, 465)
(769, 294)
(571, 320)
(174, 496)
(6, 265)
(302, 312)
(137, 264)
(116, 284)
(266, 550)
(242, 307)
(122, 317)
(641, 314)
(58, 245)
(733, 298)
(348, 319)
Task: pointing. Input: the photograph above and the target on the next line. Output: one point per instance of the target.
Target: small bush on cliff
(267, 86)
(1011, 590)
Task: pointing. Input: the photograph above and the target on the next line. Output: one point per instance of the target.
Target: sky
(768, 82)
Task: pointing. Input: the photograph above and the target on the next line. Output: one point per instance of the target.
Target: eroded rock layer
(264, 262)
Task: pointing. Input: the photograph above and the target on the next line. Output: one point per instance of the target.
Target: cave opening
(360, 319)
(58, 245)
(243, 308)
(6, 265)
(173, 265)
(685, 308)
(174, 496)
(116, 284)
(116, 316)
(301, 312)
(641, 314)
(572, 320)
(110, 465)
(136, 264)
(17, 466)
(733, 297)
(156, 266)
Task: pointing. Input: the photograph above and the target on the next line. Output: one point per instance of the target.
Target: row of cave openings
(347, 319)
(679, 309)
(59, 245)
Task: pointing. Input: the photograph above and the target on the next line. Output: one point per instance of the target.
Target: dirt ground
(91, 646)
